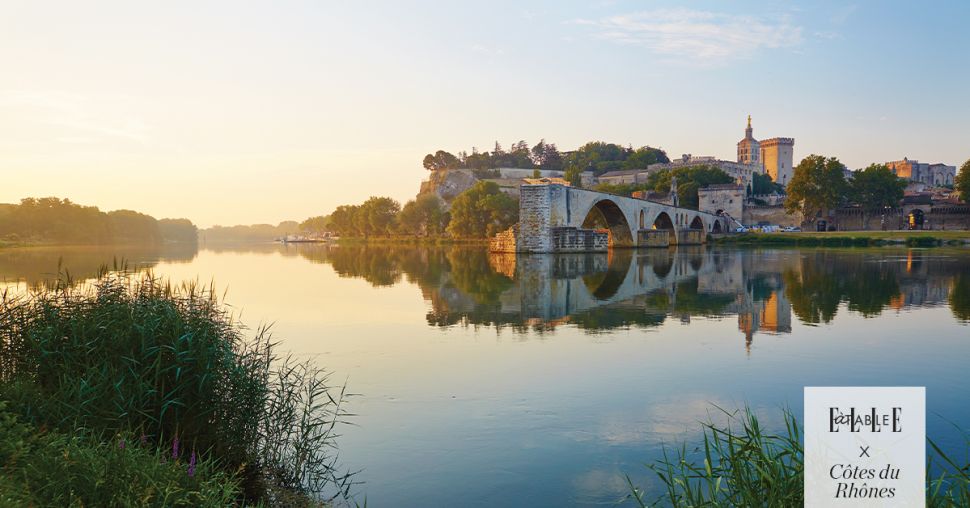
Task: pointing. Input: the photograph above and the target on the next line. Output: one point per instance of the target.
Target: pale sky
(243, 112)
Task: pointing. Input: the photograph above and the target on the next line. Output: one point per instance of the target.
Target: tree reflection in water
(642, 288)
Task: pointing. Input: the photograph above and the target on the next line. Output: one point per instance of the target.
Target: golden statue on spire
(749, 121)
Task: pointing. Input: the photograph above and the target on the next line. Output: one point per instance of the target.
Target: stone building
(936, 175)
(749, 149)
(626, 176)
(741, 172)
(773, 156)
(777, 157)
(722, 198)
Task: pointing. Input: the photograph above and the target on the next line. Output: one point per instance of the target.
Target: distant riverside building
(772, 156)
(741, 172)
(935, 175)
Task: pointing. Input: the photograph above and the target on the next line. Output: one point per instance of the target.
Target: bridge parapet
(560, 218)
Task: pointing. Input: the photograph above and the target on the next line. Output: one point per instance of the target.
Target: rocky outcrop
(448, 184)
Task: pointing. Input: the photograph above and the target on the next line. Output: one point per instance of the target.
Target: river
(487, 380)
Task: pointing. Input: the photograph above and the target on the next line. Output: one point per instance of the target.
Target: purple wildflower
(121, 443)
(144, 439)
(192, 465)
(175, 448)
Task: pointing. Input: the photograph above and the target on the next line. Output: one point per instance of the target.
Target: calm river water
(543, 380)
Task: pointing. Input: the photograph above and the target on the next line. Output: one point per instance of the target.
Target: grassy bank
(739, 463)
(850, 238)
(164, 379)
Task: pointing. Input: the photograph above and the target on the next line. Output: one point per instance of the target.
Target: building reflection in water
(764, 289)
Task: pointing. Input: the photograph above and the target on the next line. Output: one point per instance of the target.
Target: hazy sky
(242, 112)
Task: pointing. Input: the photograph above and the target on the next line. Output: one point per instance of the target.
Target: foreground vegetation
(740, 463)
(143, 386)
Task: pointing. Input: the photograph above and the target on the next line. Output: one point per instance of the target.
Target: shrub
(53, 469)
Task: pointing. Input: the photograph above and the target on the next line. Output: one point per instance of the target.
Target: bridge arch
(663, 221)
(605, 213)
(697, 223)
(717, 227)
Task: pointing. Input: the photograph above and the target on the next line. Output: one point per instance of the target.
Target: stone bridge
(561, 218)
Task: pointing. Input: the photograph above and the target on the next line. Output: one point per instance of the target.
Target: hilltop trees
(441, 160)
(597, 156)
(817, 186)
(600, 157)
(689, 180)
(874, 189)
(763, 184)
(482, 211)
(962, 182)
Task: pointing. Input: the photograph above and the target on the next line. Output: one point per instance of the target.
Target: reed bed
(132, 355)
(739, 463)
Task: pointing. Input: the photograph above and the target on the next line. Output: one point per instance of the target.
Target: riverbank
(849, 238)
(135, 377)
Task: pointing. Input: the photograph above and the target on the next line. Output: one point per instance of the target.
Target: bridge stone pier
(560, 218)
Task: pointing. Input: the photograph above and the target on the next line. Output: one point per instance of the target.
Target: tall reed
(742, 464)
(131, 353)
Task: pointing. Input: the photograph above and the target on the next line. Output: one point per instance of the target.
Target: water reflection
(642, 289)
(595, 292)
(36, 265)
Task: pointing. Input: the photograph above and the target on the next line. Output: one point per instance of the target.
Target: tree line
(479, 212)
(596, 156)
(55, 220)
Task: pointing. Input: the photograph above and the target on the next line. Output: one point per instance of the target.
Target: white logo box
(865, 446)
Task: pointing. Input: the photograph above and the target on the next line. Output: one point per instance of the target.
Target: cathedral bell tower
(749, 150)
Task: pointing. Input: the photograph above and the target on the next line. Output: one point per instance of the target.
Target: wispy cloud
(697, 37)
(80, 116)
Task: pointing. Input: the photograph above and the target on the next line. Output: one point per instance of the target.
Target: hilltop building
(773, 156)
(935, 175)
(741, 172)
(749, 149)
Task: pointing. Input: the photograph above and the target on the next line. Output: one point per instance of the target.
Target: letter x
(865, 451)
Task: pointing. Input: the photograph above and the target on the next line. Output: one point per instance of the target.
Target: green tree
(423, 216)
(343, 220)
(689, 180)
(817, 186)
(376, 216)
(875, 189)
(482, 211)
(440, 160)
(316, 224)
(962, 182)
(546, 156)
(178, 230)
(643, 157)
(763, 184)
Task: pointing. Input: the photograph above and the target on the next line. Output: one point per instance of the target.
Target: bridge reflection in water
(646, 287)
(765, 290)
